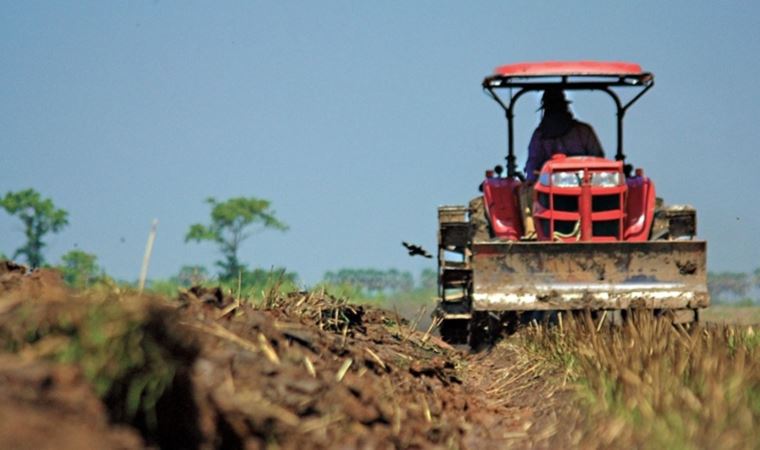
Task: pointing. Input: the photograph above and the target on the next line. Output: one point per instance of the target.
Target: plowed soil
(301, 371)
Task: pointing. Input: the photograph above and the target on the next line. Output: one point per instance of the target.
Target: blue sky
(356, 119)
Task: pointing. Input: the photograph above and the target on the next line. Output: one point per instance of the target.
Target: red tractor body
(576, 199)
(602, 239)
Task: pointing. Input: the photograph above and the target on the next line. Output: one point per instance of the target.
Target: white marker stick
(146, 256)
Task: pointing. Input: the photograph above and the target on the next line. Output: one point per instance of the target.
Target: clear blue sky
(356, 119)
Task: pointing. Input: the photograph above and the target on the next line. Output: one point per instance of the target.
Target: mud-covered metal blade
(513, 276)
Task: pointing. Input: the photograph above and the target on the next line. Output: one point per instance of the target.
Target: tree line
(376, 281)
(733, 286)
(231, 223)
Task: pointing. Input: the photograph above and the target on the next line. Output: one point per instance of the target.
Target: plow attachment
(525, 276)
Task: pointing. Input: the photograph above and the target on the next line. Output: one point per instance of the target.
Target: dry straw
(650, 384)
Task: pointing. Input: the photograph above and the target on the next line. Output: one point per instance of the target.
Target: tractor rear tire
(454, 331)
(484, 330)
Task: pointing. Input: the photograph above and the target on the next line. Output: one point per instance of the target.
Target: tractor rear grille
(566, 227)
(601, 203)
(606, 228)
(563, 227)
(565, 203)
(584, 212)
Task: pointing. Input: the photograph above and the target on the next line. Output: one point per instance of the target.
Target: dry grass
(648, 384)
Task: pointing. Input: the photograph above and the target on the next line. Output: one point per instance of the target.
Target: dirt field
(110, 369)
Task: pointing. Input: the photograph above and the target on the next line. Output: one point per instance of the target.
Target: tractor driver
(559, 132)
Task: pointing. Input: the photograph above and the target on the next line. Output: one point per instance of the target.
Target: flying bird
(415, 250)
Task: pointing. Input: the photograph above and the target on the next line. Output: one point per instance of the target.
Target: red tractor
(603, 240)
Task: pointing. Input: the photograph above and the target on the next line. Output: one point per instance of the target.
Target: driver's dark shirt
(580, 140)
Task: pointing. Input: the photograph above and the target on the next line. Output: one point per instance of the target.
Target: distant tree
(232, 222)
(191, 275)
(428, 279)
(79, 269)
(39, 217)
(260, 277)
(736, 284)
(756, 278)
(401, 281)
(372, 281)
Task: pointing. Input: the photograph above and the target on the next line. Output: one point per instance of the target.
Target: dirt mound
(129, 350)
(208, 370)
(18, 282)
(313, 371)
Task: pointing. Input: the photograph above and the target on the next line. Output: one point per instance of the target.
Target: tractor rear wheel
(454, 331)
(484, 330)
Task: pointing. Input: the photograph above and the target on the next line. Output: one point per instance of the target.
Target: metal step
(457, 297)
(452, 213)
(454, 310)
(454, 234)
(455, 265)
(455, 278)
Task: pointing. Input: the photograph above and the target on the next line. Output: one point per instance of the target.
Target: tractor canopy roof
(604, 76)
(569, 74)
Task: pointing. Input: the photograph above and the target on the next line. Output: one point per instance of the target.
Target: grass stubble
(646, 383)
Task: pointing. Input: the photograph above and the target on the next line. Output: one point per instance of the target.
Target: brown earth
(301, 371)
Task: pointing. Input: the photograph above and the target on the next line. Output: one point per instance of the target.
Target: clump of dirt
(18, 282)
(214, 296)
(7, 266)
(130, 349)
(52, 406)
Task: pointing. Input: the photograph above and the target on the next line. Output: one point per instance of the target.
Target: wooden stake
(146, 256)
